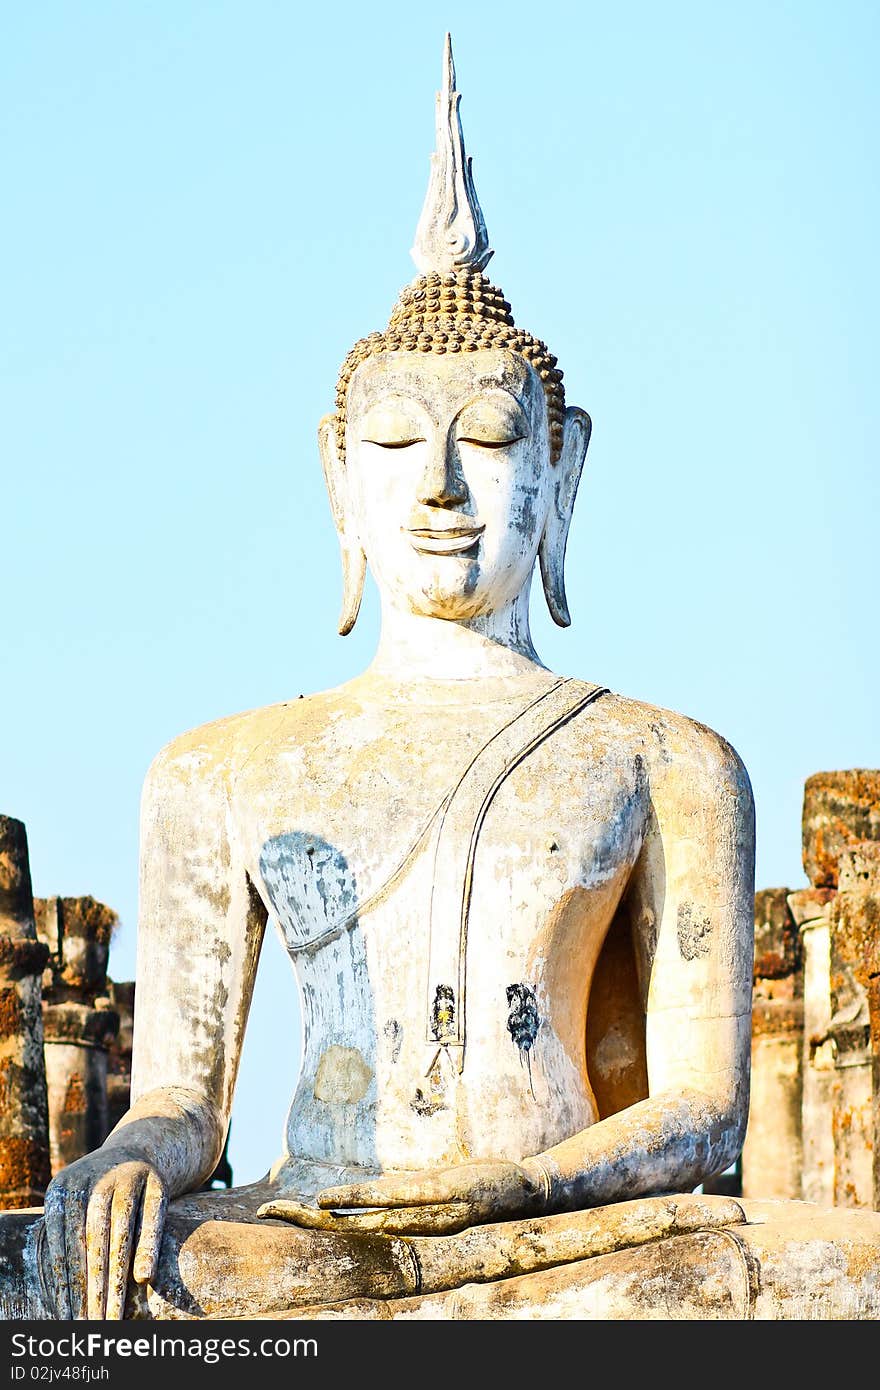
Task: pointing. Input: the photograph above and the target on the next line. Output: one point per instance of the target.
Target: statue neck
(491, 644)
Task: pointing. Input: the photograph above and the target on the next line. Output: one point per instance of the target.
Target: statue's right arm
(199, 936)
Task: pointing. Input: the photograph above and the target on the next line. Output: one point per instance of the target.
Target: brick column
(840, 810)
(841, 854)
(855, 1023)
(810, 911)
(772, 1154)
(24, 1137)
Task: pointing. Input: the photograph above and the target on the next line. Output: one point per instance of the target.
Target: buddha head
(452, 461)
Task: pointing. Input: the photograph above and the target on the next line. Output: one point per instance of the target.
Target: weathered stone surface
(850, 1032)
(860, 874)
(24, 1140)
(855, 1026)
(873, 1004)
(772, 1161)
(840, 808)
(818, 1054)
(789, 1260)
(777, 945)
(810, 905)
(78, 933)
(78, 1022)
(76, 1077)
(772, 1158)
(840, 932)
(122, 998)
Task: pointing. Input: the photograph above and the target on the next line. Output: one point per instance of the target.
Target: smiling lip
(448, 540)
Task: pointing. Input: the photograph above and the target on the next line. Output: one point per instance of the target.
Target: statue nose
(442, 483)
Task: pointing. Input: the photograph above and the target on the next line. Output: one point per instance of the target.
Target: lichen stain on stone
(435, 1099)
(443, 1013)
(75, 1097)
(526, 519)
(343, 1076)
(523, 1020)
(24, 1164)
(394, 1033)
(862, 1262)
(660, 740)
(426, 1105)
(10, 872)
(694, 933)
(11, 1016)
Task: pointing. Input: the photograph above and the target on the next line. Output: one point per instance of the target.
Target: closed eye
(490, 443)
(395, 443)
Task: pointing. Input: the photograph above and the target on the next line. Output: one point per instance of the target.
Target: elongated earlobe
(567, 470)
(354, 570)
(354, 561)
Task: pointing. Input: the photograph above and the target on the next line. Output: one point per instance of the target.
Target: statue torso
(339, 814)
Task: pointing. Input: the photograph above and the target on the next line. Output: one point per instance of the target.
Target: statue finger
(149, 1233)
(56, 1252)
(441, 1218)
(432, 1219)
(97, 1246)
(75, 1250)
(126, 1202)
(390, 1192)
(357, 1195)
(298, 1213)
(321, 1219)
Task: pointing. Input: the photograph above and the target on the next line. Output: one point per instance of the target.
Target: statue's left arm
(691, 903)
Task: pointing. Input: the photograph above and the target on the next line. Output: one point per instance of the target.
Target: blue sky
(206, 204)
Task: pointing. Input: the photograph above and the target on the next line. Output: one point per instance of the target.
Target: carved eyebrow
(392, 418)
(482, 415)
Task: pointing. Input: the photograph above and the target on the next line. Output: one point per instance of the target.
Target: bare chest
(483, 816)
(443, 887)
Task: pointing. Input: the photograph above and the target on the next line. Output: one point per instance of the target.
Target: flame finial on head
(451, 234)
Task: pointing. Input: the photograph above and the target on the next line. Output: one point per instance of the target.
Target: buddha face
(447, 487)
(448, 461)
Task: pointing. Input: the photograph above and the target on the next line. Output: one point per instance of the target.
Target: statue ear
(566, 476)
(354, 561)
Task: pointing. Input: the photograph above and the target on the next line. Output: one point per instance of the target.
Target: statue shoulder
(217, 750)
(676, 747)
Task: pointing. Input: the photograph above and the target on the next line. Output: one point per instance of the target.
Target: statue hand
(103, 1219)
(437, 1202)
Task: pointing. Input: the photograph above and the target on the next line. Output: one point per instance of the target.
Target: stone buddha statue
(518, 907)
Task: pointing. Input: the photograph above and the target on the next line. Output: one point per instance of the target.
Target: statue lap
(773, 1260)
